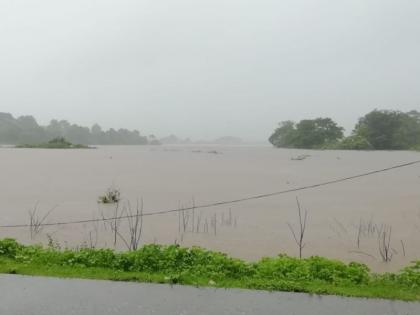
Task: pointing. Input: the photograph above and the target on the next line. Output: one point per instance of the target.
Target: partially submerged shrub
(112, 195)
(56, 143)
(59, 141)
(354, 142)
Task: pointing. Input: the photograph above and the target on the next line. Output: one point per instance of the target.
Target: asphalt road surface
(22, 295)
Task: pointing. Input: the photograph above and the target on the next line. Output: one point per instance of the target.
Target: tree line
(26, 130)
(377, 130)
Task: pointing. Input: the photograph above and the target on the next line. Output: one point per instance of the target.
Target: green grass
(200, 267)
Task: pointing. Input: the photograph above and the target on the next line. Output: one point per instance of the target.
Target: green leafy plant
(198, 266)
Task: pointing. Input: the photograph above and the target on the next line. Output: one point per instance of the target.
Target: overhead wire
(221, 203)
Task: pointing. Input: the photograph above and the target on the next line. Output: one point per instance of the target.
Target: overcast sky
(207, 68)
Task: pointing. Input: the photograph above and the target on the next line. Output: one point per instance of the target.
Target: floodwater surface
(345, 220)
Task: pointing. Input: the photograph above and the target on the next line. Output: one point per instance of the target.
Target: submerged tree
(308, 133)
(390, 130)
(377, 130)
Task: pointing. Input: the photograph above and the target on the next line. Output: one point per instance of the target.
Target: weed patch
(197, 266)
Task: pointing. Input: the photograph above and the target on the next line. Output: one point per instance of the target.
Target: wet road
(22, 295)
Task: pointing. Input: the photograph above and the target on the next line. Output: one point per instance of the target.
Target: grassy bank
(200, 267)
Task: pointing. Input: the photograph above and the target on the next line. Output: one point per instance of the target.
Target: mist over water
(207, 69)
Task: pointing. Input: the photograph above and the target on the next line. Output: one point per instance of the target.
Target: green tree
(25, 130)
(390, 130)
(54, 129)
(30, 132)
(308, 133)
(284, 135)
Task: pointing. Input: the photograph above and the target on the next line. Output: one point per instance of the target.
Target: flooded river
(344, 219)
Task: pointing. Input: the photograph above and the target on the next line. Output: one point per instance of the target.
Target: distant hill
(172, 139)
(26, 130)
(228, 141)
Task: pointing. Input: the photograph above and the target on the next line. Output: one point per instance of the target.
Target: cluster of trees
(25, 130)
(308, 133)
(377, 130)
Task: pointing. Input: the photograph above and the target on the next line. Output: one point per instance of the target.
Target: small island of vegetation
(56, 143)
(377, 130)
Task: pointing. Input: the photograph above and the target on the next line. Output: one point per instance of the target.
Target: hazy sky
(207, 68)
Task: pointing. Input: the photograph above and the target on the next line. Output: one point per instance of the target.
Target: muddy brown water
(167, 177)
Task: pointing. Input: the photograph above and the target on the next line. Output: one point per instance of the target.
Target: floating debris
(300, 157)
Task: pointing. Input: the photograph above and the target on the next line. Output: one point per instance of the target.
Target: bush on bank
(180, 265)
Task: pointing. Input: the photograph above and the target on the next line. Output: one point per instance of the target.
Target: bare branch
(299, 235)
